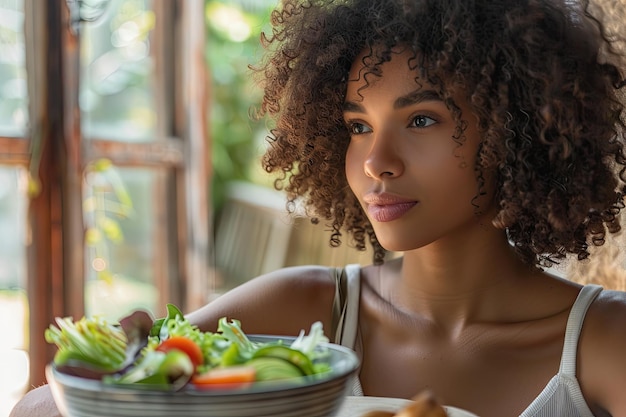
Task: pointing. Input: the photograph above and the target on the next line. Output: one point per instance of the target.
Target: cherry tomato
(185, 345)
(231, 377)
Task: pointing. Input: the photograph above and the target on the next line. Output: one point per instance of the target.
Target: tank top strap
(346, 314)
(574, 325)
(346, 305)
(338, 303)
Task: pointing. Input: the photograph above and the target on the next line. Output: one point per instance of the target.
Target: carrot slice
(232, 377)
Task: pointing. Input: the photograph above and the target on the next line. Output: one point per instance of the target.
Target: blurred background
(129, 170)
(129, 166)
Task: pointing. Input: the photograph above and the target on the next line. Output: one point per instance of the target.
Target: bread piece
(423, 405)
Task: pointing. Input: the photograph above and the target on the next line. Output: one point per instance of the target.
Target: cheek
(353, 165)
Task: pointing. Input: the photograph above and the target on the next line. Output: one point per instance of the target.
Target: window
(104, 163)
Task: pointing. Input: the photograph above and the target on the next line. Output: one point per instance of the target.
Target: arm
(282, 302)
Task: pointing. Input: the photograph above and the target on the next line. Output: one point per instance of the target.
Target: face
(416, 183)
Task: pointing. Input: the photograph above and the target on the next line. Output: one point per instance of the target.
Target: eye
(422, 121)
(357, 128)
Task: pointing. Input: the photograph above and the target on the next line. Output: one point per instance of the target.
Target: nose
(384, 159)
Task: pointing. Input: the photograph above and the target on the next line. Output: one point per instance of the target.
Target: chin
(396, 246)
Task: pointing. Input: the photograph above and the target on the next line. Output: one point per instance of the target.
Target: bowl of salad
(168, 367)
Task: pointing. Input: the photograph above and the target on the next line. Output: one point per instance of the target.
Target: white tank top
(561, 397)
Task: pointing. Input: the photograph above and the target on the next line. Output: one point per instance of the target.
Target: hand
(423, 405)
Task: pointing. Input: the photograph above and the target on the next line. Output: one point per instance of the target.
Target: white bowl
(318, 397)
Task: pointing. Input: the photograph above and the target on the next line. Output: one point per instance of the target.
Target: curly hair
(543, 77)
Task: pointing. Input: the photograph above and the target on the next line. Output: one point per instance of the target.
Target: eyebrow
(414, 97)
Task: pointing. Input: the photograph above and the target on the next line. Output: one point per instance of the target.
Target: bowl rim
(350, 365)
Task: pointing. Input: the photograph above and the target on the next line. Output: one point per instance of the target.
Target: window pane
(116, 94)
(13, 300)
(13, 89)
(122, 227)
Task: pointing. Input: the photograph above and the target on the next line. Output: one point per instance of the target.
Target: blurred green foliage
(232, 46)
(107, 201)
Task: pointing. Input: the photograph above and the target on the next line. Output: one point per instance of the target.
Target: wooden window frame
(57, 155)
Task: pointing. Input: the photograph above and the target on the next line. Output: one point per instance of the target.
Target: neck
(458, 283)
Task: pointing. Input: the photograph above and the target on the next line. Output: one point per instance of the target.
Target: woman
(485, 141)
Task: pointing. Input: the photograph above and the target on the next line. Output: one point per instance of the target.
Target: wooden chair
(255, 234)
(252, 234)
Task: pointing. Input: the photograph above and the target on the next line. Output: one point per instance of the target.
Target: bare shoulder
(606, 319)
(602, 352)
(281, 302)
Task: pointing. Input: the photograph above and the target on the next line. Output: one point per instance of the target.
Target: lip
(383, 207)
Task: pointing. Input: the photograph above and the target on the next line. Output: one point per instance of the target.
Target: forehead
(399, 72)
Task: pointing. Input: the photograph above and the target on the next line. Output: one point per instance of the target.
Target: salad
(170, 353)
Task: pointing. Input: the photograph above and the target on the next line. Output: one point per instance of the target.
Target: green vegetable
(292, 356)
(92, 342)
(311, 346)
(162, 370)
(232, 356)
(232, 331)
(126, 353)
(272, 368)
(213, 345)
(159, 329)
(308, 344)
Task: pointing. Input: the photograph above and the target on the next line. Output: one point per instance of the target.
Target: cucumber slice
(271, 369)
(293, 356)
